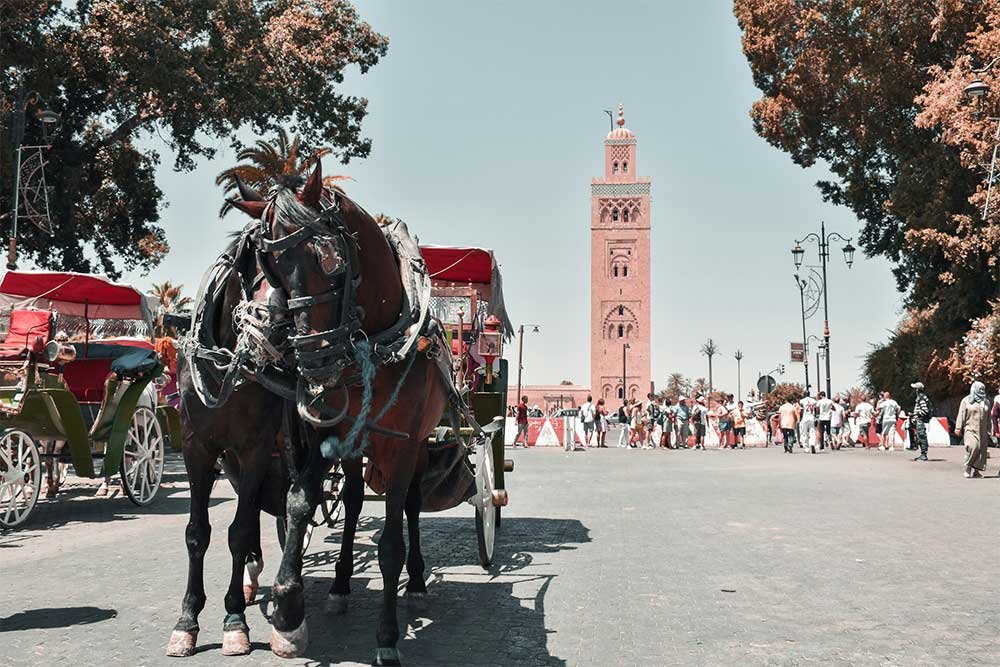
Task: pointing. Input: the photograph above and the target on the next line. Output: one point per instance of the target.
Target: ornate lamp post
(977, 90)
(520, 354)
(823, 241)
(802, 285)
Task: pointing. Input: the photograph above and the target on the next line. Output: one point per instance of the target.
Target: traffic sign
(766, 384)
(798, 353)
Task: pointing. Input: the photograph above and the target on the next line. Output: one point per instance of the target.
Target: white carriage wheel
(485, 511)
(20, 477)
(142, 457)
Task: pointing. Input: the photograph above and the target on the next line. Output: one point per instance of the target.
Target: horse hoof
(417, 601)
(182, 643)
(249, 593)
(387, 656)
(235, 642)
(289, 644)
(336, 604)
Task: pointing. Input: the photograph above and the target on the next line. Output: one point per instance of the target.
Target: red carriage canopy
(469, 265)
(75, 294)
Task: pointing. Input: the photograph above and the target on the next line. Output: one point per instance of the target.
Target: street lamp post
(802, 284)
(820, 347)
(44, 116)
(738, 356)
(823, 241)
(520, 354)
(625, 346)
(978, 90)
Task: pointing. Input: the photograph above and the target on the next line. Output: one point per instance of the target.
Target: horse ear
(246, 192)
(255, 209)
(313, 188)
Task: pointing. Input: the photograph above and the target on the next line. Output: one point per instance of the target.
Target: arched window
(621, 392)
(625, 215)
(628, 332)
(614, 168)
(614, 271)
(625, 271)
(621, 331)
(625, 166)
(614, 215)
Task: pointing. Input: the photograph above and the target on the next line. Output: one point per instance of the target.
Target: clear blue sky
(487, 125)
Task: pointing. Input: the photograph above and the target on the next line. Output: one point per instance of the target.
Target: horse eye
(328, 256)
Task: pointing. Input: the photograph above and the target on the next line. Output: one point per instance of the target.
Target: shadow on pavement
(473, 616)
(57, 617)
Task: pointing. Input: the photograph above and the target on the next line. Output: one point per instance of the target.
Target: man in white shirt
(889, 411)
(824, 408)
(863, 412)
(807, 423)
(588, 414)
(837, 425)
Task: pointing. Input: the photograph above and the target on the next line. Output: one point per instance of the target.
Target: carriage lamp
(490, 344)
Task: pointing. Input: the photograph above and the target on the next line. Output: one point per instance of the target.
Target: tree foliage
(189, 73)
(784, 391)
(874, 91)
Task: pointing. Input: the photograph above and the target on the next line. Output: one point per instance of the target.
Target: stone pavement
(607, 557)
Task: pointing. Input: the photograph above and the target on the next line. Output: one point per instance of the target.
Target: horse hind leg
(353, 499)
(416, 586)
(201, 474)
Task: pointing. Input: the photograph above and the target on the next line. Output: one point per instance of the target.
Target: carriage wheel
(332, 491)
(20, 477)
(486, 514)
(142, 458)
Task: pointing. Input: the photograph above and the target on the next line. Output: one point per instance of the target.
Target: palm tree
(265, 161)
(700, 386)
(171, 301)
(677, 386)
(710, 349)
(739, 387)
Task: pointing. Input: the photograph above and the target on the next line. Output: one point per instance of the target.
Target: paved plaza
(607, 557)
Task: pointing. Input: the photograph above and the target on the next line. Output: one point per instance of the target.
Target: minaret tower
(620, 273)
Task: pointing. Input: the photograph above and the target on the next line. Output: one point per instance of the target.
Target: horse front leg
(353, 499)
(200, 468)
(289, 634)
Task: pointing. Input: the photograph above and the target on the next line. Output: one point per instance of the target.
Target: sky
(487, 124)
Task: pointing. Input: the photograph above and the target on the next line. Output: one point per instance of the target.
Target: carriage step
(508, 465)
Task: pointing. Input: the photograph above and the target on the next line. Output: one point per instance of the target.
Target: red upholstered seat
(86, 377)
(25, 325)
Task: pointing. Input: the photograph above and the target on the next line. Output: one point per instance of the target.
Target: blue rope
(335, 448)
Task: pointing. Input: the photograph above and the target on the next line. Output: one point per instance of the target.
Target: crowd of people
(809, 422)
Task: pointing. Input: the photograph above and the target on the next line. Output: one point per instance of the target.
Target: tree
(699, 386)
(710, 349)
(189, 73)
(266, 161)
(785, 391)
(874, 90)
(171, 301)
(677, 386)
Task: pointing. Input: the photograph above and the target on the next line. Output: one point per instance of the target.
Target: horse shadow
(472, 616)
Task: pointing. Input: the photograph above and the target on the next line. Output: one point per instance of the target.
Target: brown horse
(303, 253)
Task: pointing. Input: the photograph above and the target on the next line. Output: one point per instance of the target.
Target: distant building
(619, 283)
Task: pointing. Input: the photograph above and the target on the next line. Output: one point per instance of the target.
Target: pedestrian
(973, 427)
(888, 413)
(651, 416)
(667, 423)
(807, 423)
(788, 419)
(682, 422)
(739, 416)
(919, 416)
(602, 423)
(725, 420)
(824, 410)
(699, 415)
(588, 415)
(838, 416)
(864, 413)
(623, 421)
(522, 421)
(636, 420)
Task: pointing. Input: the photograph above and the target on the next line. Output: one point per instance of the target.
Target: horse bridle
(321, 366)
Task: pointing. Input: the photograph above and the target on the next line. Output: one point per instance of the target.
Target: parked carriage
(467, 298)
(76, 367)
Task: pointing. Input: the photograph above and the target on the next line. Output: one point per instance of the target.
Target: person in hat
(700, 417)
(919, 416)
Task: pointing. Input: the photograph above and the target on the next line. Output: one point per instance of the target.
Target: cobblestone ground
(606, 557)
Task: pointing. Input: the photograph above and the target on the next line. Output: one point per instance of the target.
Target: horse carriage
(76, 372)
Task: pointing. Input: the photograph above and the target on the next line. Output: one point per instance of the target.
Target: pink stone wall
(620, 272)
(548, 397)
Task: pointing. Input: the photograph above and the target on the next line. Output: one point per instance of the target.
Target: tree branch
(125, 130)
